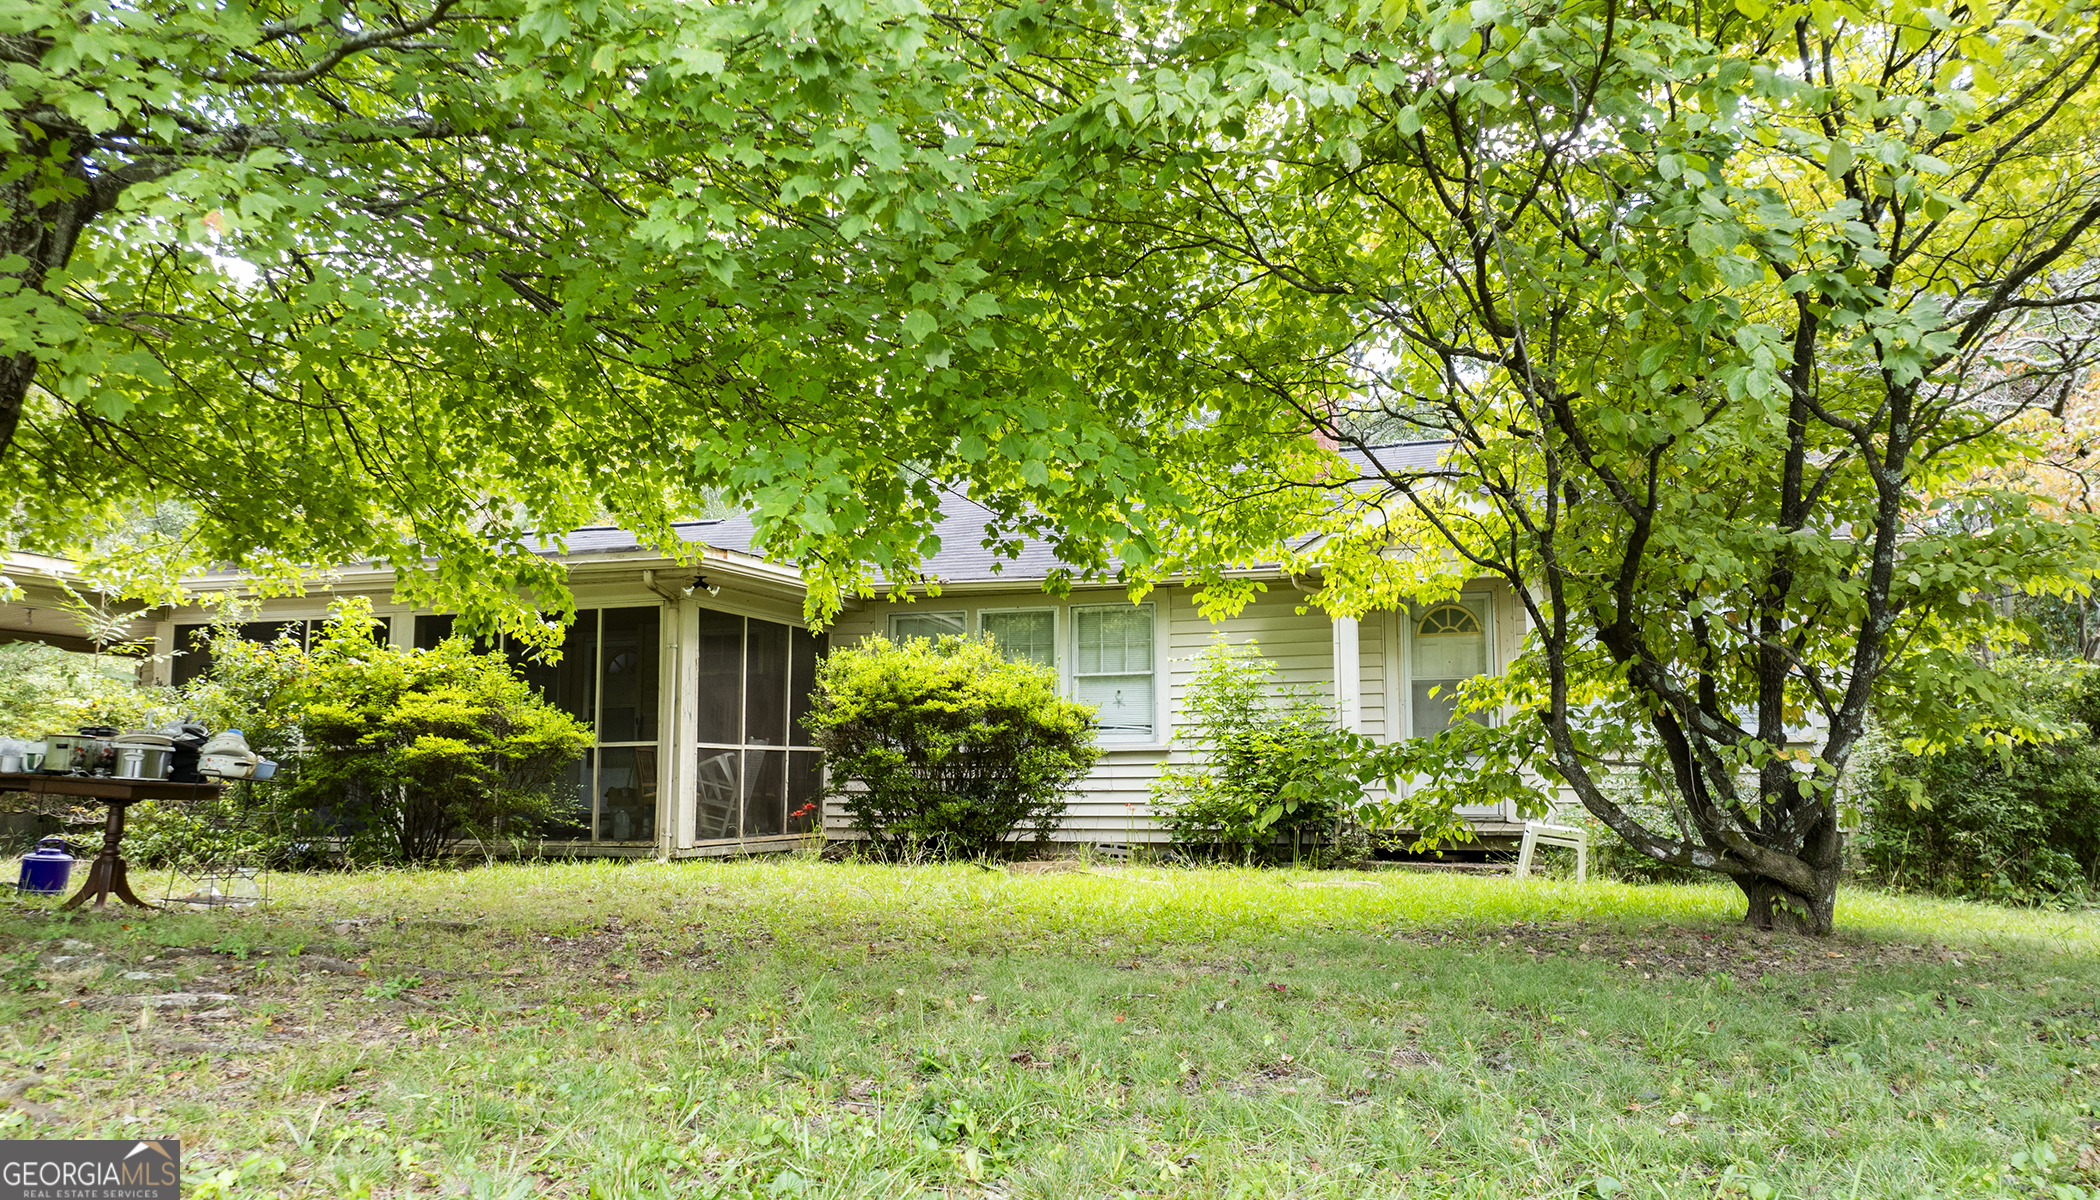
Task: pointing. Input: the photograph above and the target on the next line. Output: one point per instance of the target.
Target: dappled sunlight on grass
(790, 895)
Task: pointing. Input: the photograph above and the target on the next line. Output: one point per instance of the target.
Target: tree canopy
(1725, 316)
(1730, 319)
(434, 284)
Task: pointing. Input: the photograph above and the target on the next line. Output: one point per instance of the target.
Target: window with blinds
(1113, 669)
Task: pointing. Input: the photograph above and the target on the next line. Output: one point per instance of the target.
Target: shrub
(1270, 763)
(414, 751)
(402, 753)
(2017, 823)
(946, 749)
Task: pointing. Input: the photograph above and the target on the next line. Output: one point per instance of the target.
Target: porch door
(1447, 645)
(1450, 647)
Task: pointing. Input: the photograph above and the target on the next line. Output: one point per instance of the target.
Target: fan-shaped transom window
(1448, 620)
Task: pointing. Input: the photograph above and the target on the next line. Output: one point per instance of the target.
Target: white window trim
(1058, 624)
(1401, 675)
(1165, 710)
(1161, 724)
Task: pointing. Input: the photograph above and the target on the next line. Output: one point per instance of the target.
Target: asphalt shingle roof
(963, 557)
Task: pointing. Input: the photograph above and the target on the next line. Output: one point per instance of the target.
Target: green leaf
(1840, 159)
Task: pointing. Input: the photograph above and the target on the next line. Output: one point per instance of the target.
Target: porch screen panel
(627, 675)
(766, 684)
(627, 794)
(193, 642)
(718, 787)
(568, 684)
(804, 649)
(720, 698)
(608, 677)
(755, 681)
(571, 818)
(765, 793)
(805, 790)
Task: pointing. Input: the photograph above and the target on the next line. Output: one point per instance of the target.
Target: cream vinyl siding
(1114, 802)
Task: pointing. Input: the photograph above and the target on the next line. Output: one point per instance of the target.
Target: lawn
(795, 1028)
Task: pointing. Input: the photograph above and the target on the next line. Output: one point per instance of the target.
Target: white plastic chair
(1539, 833)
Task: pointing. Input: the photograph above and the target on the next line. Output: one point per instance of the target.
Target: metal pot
(143, 762)
(142, 755)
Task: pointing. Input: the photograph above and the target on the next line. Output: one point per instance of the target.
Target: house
(696, 677)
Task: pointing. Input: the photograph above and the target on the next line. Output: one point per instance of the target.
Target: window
(1449, 647)
(1022, 634)
(929, 625)
(1112, 669)
(757, 774)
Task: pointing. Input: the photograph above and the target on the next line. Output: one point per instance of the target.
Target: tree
(433, 284)
(946, 748)
(1721, 311)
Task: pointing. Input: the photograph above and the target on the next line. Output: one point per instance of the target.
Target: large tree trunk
(1775, 906)
(42, 236)
(16, 374)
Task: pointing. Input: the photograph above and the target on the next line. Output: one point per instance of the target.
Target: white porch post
(1348, 675)
(684, 725)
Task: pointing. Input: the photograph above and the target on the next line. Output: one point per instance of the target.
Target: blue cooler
(45, 869)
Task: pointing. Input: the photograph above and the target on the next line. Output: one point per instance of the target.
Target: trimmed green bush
(2017, 823)
(946, 750)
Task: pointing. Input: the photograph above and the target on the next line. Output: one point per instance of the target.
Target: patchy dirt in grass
(1692, 952)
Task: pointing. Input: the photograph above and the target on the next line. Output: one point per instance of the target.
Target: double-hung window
(1113, 669)
(1022, 634)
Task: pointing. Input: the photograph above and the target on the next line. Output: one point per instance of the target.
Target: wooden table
(106, 872)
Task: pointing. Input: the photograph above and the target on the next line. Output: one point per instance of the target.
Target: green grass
(784, 1027)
